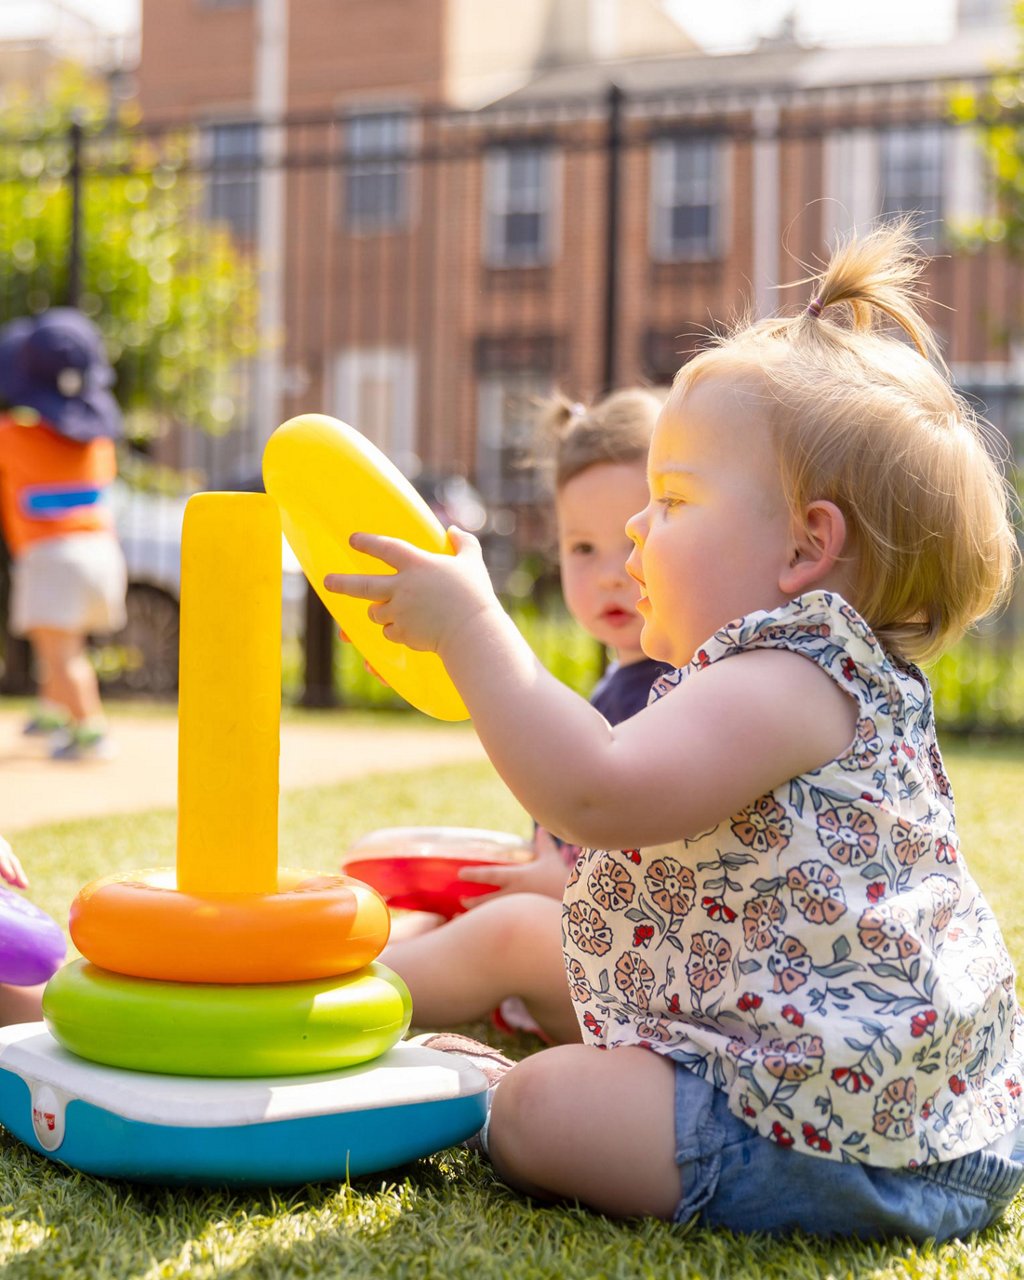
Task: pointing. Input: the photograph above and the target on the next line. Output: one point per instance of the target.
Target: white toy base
(407, 1103)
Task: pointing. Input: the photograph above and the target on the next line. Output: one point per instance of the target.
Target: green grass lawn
(447, 1216)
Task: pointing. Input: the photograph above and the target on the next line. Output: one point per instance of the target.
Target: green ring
(200, 1029)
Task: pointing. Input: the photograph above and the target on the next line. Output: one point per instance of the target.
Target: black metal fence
(430, 275)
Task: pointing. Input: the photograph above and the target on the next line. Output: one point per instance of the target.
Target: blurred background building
(451, 207)
(457, 205)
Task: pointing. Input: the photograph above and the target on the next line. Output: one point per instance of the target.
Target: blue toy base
(408, 1103)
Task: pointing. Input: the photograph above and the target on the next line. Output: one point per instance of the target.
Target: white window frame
(494, 441)
(668, 193)
(385, 115)
(503, 200)
(396, 366)
(851, 183)
(231, 179)
(900, 180)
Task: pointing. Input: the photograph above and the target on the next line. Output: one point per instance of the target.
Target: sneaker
(484, 1057)
(44, 721)
(80, 743)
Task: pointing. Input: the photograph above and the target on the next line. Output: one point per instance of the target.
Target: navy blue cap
(55, 363)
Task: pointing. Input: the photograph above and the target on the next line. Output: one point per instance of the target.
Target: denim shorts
(734, 1178)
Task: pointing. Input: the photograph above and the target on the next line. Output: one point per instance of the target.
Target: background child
(57, 463)
(809, 1008)
(509, 943)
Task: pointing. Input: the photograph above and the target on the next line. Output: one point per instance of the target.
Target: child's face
(715, 537)
(592, 509)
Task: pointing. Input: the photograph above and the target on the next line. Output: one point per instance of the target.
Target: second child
(506, 950)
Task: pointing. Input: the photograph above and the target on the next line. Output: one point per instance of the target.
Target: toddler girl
(797, 1008)
(507, 949)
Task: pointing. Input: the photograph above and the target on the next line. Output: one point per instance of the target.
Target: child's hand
(545, 874)
(429, 598)
(530, 877)
(10, 867)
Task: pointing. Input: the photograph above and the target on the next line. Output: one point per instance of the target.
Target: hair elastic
(814, 308)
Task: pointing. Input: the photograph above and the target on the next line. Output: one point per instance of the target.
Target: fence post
(611, 264)
(74, 282)
(318, 648)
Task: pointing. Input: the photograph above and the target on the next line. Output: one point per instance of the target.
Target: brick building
(456, 207)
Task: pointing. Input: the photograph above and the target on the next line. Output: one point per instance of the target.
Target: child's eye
(582, 549)
(668, 502)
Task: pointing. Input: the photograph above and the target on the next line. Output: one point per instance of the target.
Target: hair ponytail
(872, 275)
(614, 430)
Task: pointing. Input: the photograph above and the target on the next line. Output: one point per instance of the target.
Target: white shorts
(74, 583)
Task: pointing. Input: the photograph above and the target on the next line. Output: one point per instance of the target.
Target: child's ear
(815, 548)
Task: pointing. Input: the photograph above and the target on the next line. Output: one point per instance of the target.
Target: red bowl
(417, 868)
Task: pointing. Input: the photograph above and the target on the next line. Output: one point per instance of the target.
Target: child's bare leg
(410, 924)
(577, 1123)
(68, 678)
(20, 1004)
(509, 947)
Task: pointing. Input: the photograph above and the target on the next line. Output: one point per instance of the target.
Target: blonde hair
(862, 419)
(616, 429)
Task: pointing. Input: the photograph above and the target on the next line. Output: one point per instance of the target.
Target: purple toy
(31, 943)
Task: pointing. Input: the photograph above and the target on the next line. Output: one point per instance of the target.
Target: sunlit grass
(446, 1216)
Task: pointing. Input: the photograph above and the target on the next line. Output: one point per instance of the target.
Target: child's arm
(728, 734)
(10, 867)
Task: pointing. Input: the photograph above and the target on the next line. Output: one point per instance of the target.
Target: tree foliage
(173, 294)
(997, 113)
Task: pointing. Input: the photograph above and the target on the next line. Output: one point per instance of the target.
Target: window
(508, 406)
(233, 190)
(519, 197)
(686, 212)
(911, 172)
(375, 391)
(376, 173)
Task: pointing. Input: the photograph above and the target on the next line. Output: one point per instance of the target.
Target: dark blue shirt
(623, 691)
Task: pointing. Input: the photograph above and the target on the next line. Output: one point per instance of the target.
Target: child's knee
(521, 920)
(533, 1095)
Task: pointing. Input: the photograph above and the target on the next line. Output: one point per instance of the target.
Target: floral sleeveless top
(823, 956)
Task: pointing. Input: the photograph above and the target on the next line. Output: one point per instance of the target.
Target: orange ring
(314, 926)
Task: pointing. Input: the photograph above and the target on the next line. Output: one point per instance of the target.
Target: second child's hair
(862, 418)
(616, 429)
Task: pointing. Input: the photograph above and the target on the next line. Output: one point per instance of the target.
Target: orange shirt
(50, 485)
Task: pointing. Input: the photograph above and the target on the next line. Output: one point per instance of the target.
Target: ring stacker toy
(31, 942)
(330, 482)
(229, 1022)
(417, 868)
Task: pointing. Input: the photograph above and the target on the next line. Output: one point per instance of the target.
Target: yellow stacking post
(229, 705)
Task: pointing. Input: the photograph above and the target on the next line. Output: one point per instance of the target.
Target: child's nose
(636, 528)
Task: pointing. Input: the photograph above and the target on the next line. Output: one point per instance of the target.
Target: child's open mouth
(618, 617)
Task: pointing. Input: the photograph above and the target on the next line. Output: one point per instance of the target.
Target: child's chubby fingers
(489, 874)
(361, 586)
(395, 552)
(10, 868)
(505, 878)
